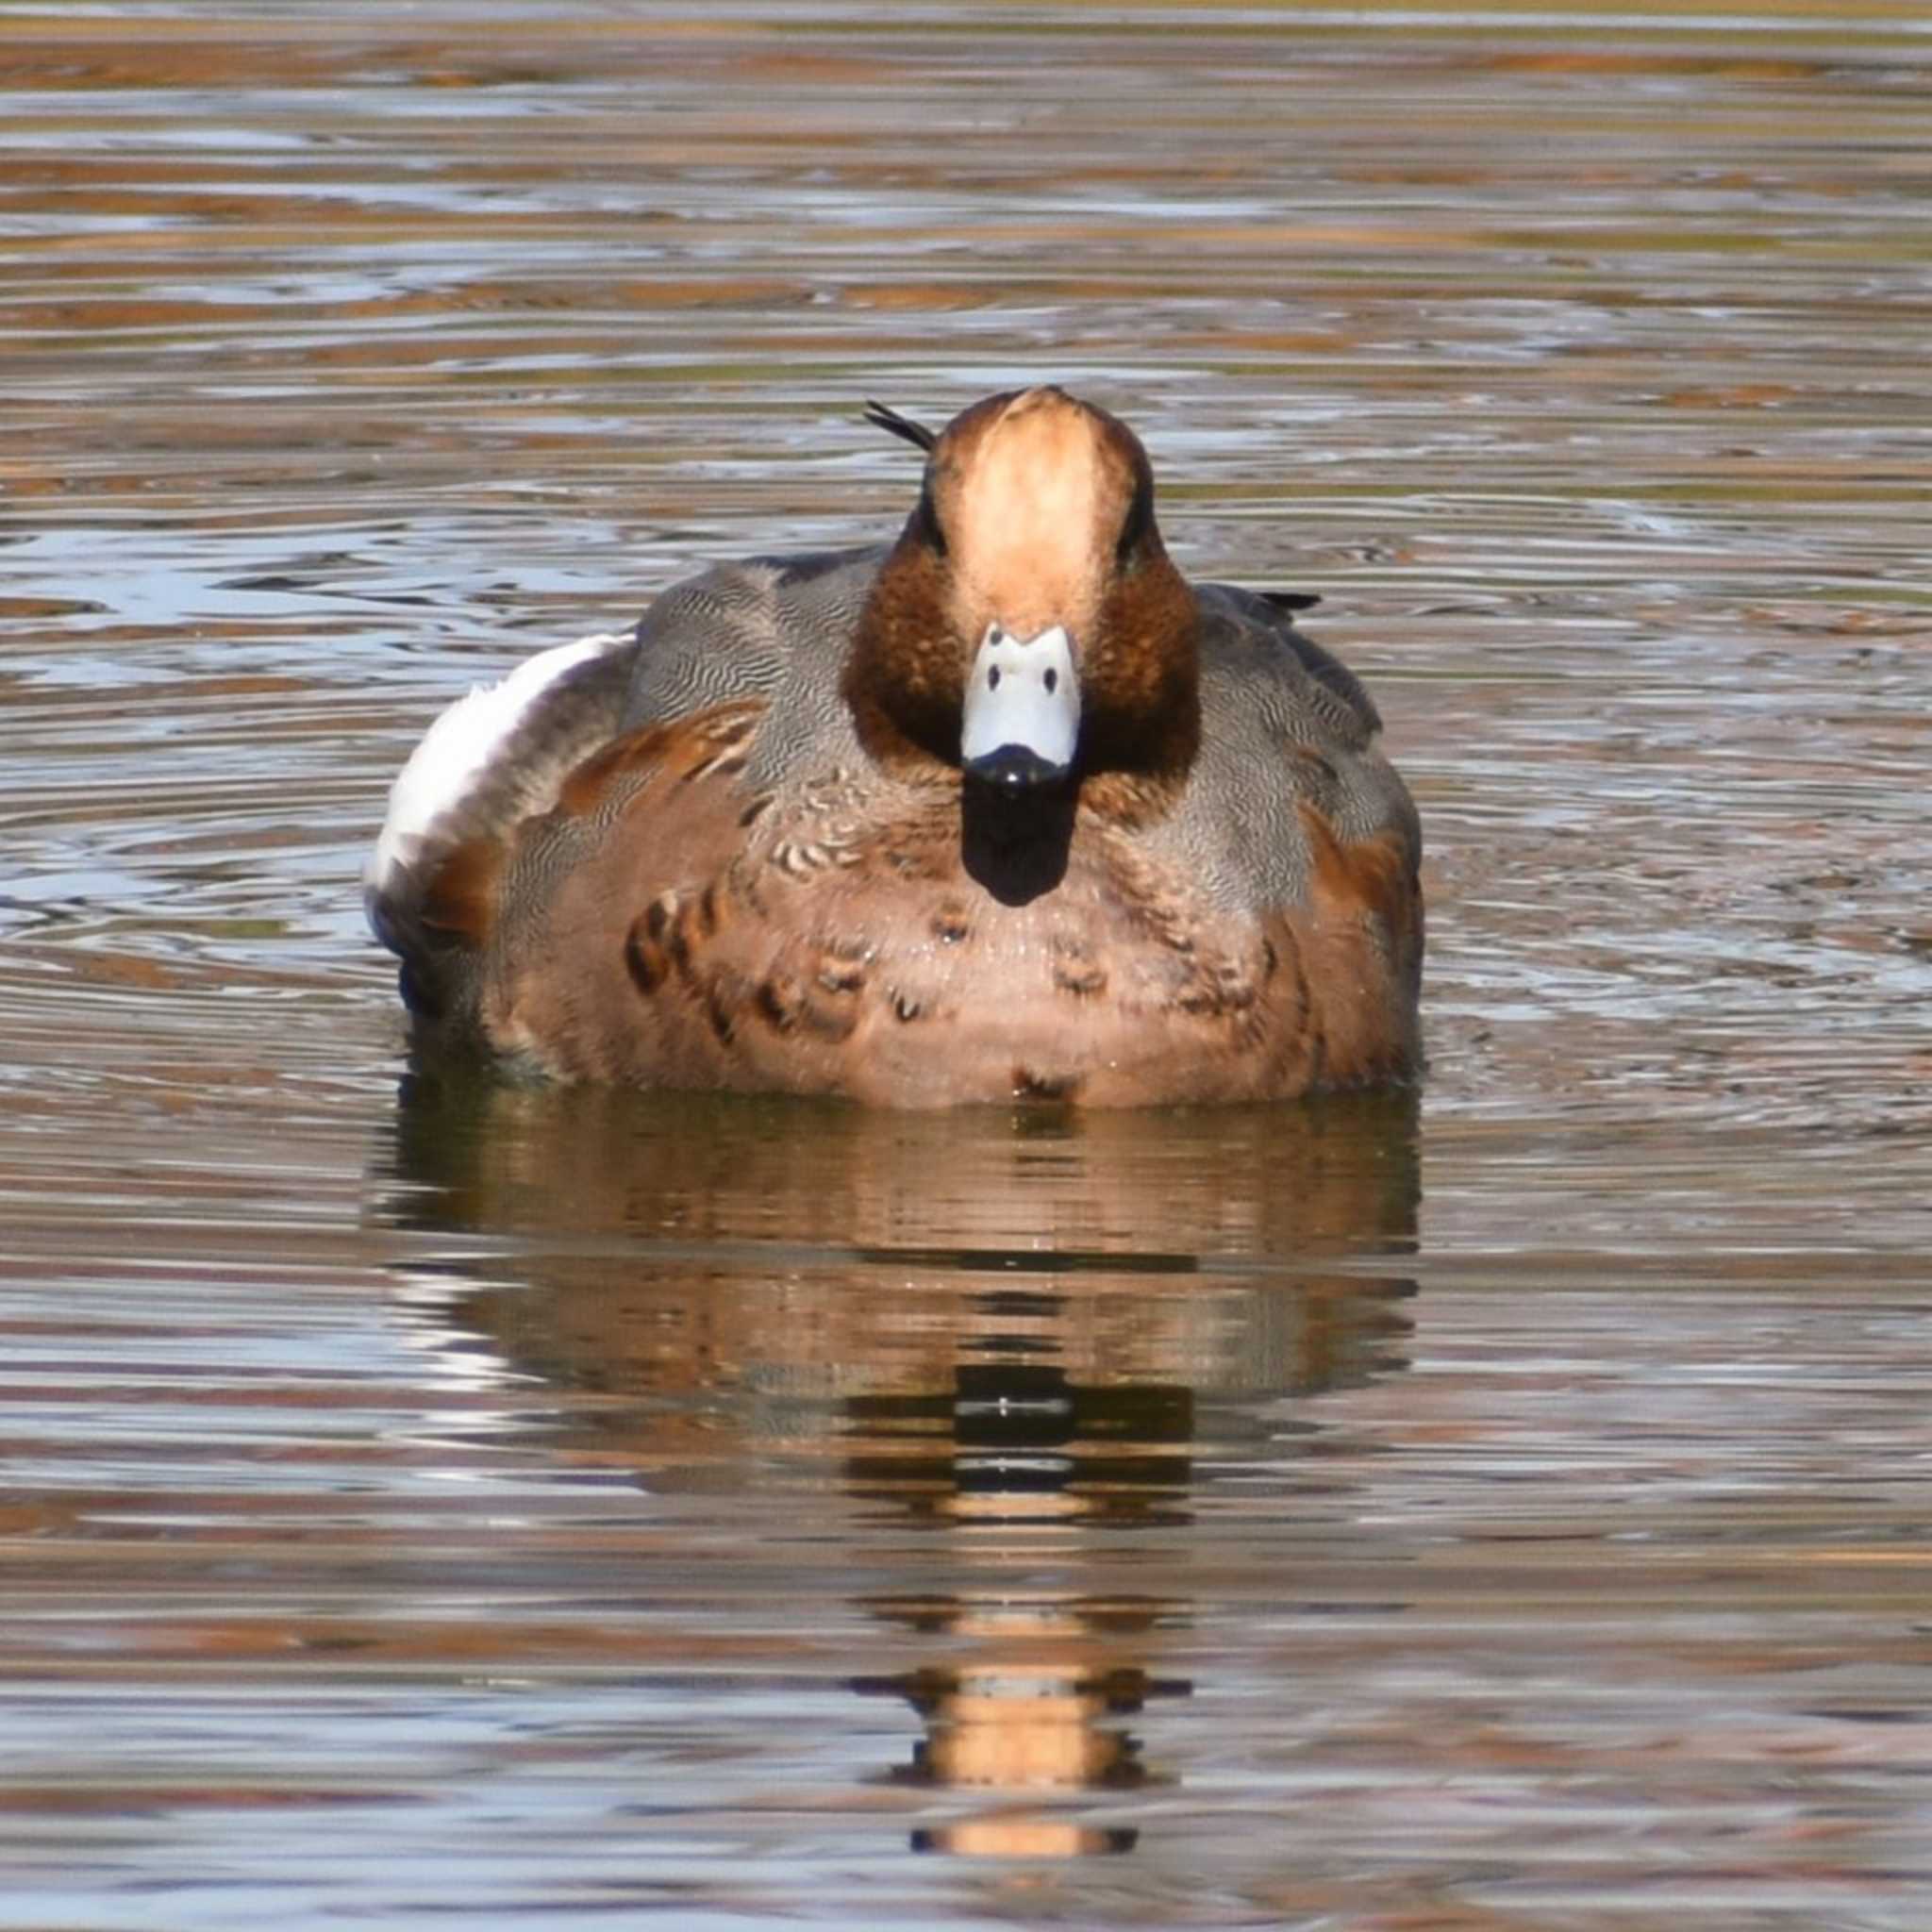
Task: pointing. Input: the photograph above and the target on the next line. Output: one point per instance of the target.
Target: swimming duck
(1006, 809)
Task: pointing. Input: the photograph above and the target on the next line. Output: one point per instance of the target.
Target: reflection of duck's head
(1036, 1714)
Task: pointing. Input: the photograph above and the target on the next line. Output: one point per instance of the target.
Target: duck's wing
(767, 634)
(1268, 616)
(1290, 782)
(776, 629)
(1293, 816)
(490, 760)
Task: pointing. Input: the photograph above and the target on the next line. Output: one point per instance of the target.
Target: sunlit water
(1506, 1507)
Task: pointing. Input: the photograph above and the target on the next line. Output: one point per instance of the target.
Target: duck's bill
(1022, 718)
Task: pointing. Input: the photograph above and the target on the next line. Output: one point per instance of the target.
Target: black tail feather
(883, 417)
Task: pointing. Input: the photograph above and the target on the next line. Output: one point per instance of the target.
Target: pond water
(1507, 1506)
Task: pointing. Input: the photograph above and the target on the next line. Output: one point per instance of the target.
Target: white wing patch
(459, 747)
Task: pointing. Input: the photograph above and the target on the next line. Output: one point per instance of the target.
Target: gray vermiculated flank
(775, 627)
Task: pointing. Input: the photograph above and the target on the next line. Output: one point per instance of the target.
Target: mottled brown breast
(832, 939)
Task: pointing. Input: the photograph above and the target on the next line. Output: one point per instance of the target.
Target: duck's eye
(1140, 520)
(1052, 681)
(929, 532)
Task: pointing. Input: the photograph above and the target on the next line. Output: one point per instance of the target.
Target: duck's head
(1028, 628)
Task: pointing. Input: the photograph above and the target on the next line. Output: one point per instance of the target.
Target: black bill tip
(1016, 767)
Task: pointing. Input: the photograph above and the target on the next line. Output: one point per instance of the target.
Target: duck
(1004, 810)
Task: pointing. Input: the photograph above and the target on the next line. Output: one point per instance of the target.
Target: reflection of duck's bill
(1021, 719)
(1025, 1837)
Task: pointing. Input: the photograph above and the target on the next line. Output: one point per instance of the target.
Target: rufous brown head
(1028, 626)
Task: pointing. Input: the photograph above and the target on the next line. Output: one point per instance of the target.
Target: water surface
(1500, 1506)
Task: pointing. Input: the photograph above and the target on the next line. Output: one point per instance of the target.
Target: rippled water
(1508, 1507)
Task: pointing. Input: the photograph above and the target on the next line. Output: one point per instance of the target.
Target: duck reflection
(1046, 1339)
(1036, 1716)
(1017, 1442)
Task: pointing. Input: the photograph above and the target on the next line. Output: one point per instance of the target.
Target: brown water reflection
(1503, 1509)
(1036, 1335)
